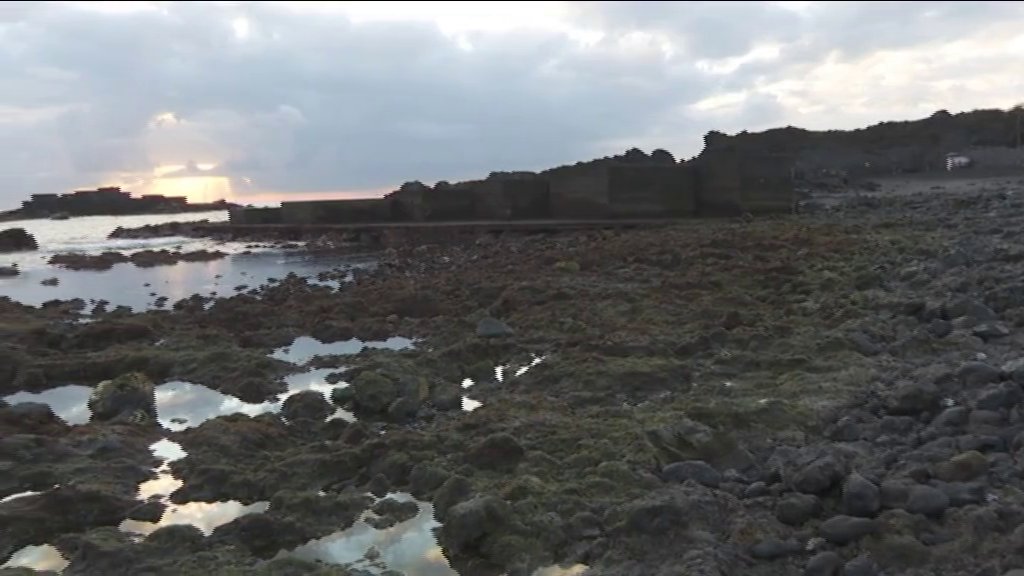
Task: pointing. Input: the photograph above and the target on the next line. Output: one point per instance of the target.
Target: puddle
(20, 495)
(67, 402)
(304, 348)
(408, 547)
(140, 288)
(181, 405)
(500, 376)
(206, 516)
(574, 570)
(44, 557)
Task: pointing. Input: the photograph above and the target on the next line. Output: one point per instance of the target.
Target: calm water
(140, 288)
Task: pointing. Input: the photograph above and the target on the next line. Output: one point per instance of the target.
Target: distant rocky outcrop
(883, 149)
(17, 240)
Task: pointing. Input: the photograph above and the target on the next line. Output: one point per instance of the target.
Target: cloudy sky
(274, 99)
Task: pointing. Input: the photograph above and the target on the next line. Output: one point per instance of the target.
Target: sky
(269, 100)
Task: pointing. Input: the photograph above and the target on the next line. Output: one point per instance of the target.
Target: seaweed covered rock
(128, 398)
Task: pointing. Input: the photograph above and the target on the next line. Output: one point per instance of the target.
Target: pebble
(696, 470)
(771, 549)
(823, 564)
(1003, 395)
(860, 496)
(962, 467)
(818, 476)
(795, 509)
(862, 565)
(844, 529)
(756, 490)
(911, 398)
(974, 374)
(962, 493)
(926, 500)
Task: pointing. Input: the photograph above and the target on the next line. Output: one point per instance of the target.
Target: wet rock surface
(836, 393)
(16, 240)
(141, 259)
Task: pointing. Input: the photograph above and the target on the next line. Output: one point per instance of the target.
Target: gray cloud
(313, 101)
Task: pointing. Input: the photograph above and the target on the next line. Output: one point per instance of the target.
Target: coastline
(766, 392)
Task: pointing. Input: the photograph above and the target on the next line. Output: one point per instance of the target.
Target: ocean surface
(139, 288)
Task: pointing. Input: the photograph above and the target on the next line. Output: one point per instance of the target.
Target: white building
(956, 160)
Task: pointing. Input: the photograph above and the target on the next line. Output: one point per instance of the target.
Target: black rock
(862, 565)
(308, 405)
(818, 476)
(425, 478)
(823, 564)
(771, 549)
(499, 452)
(795, 509)
(845, 430)
(845, 529)
(697, 470)
(926, 500)
(379, 486)
(151, 511)
(1015, 370)
(974, 374)
(756, 490)
(342, 396)
(860, 496)
(16, 240)
(991, 331)
(1002, 395)
(980, 443)
(863, 344)
(493, 328)
(403, 409)
(939, 328)
(912, 398)
(953, 417)
(962, 493)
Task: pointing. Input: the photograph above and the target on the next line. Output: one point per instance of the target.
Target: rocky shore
(141, 259)
(837, 392)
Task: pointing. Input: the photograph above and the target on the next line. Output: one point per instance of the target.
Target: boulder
(912, 398)
(127, 398)
(373, 392)
(469, 522)
(499, 452)
(795, 509)
(927, 501)
(818, 476)
(696, 470)
(17, 240)
(1002, 395)
(990, 331)
(9, 271)
(862, 565)
(772, 548)
(845, 529)
(823, 564)
(962, 467)
(493, 328)
(308, 405)
(973, 374)
(860, 496)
